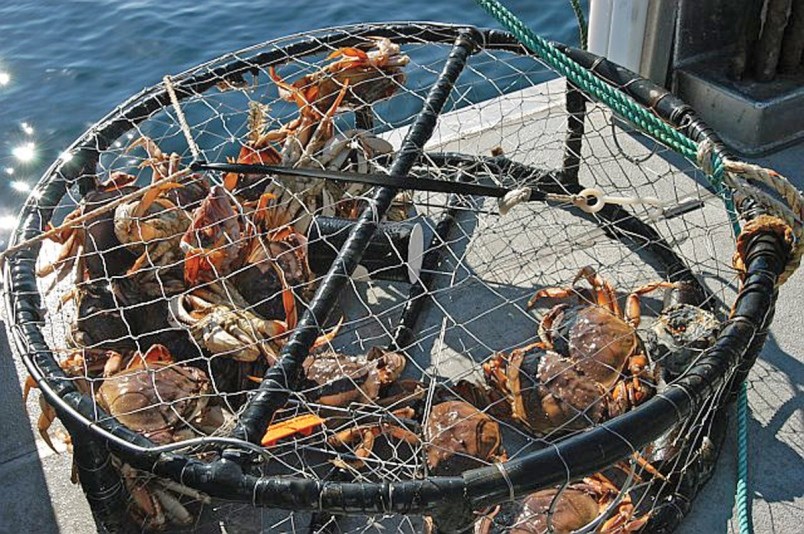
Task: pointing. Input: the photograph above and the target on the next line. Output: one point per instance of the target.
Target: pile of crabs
(185, 290)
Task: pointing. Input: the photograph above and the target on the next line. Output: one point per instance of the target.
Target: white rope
(590, 200)
(512, 198)
(704, 156)
(185, 128)
(739, 175)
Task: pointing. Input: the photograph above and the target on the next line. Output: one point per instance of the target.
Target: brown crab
(160, 399)
(590, 364)
(372, 71)
(275, 257)
(353, 78)
(100, 321)
(213, 242)
(218, 318)
(79, 365)
(153, 225)
(360, 438)
(156, 502)
(568, 510)
(334, 379)
(459, 437)
(456, 435)
(223, 324)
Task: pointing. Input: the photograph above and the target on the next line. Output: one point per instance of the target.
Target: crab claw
(212, 242)
(291, 93)
(198, 261)
(116, 181)
(365, 436)
(156, 355)
(222, 329)
(327, 337)
(348, 52)
(47, 416)
(303, 424)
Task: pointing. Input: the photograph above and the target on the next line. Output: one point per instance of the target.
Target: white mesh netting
(167, 309)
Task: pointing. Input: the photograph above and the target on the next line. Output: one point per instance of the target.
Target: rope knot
(704, 156)
(512, 198)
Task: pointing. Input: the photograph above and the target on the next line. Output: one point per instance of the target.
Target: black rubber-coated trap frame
(230, 469)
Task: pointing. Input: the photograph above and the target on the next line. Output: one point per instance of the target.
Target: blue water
(65, 64)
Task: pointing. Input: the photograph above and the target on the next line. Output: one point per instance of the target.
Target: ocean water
(66, 63)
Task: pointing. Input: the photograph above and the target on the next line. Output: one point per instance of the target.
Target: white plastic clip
(592, 200)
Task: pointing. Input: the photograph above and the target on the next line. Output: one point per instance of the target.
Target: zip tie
(185, 128)
(501, 468)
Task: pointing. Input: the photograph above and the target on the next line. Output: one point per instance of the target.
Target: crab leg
(604, 291)
(117, 180)
(623, 520)
(546, 324)
(368, 434)
(48, 413)
(552, 293)
(173, 508)
(261, 210)
(327, 337)
(494, 370)
(288, 91)
(181, 489)
(150, 197)
(632, 309)
(143, 499)
(69, 251)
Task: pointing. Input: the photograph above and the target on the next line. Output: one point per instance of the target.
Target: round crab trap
(397, 276)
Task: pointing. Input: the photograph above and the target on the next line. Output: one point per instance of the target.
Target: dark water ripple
(70, 62)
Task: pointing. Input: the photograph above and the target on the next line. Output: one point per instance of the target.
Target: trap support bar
(284, 376)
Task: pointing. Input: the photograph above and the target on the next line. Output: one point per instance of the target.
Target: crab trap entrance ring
(233, 473)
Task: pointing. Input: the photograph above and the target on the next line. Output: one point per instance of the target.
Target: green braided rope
(576, 7)
(742, 497)
(626, 107)
(618, 101)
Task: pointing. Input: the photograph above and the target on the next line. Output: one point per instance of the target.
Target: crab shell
(215, 228)
(353, 151)
(162, 220)
(160, 401)
(575, 509)
(99, 321)
(459, 437)
(227, 330)
(553, 392)
(104, 257)
(339, 380)
(375, 76)
(259, 281)
(598, 342)
(565, 511)
(679, 335)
